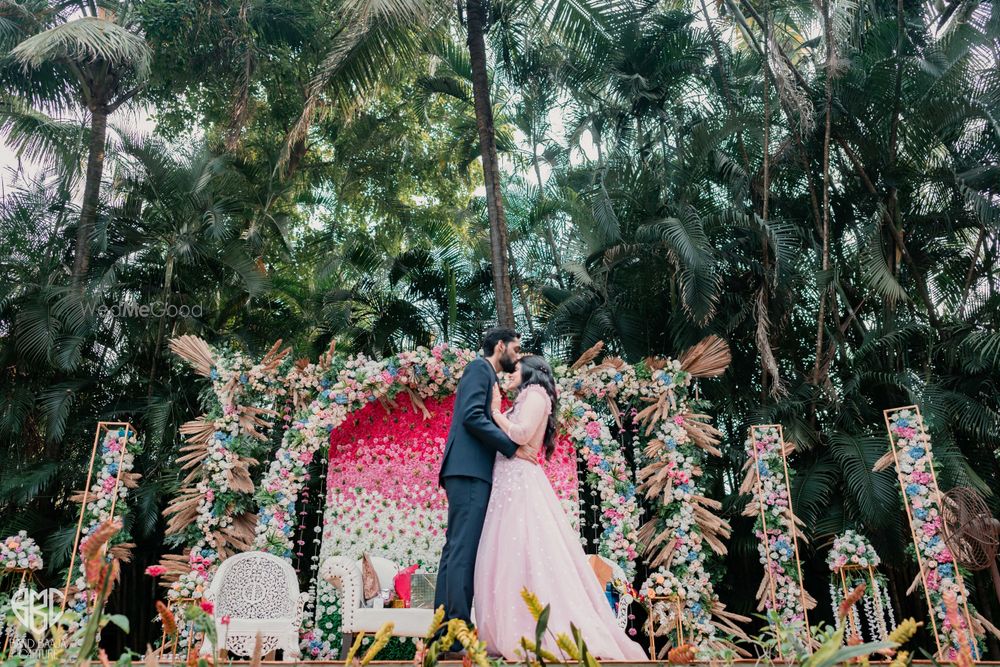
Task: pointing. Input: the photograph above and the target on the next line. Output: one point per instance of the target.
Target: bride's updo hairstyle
(535, 370)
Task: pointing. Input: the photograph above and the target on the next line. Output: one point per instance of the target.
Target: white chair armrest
(345, 575)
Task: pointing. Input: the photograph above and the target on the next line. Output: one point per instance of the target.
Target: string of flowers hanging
(853, 561)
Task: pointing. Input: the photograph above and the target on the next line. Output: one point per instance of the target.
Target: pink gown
(528, 542)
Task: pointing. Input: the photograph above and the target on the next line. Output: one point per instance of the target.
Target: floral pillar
(951, 615)
(781, 593)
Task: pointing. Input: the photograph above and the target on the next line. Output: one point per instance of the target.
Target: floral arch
(614, 415)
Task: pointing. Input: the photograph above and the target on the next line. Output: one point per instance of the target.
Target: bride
(528, 542)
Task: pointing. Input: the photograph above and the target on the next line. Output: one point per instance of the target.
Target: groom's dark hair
(497, 335)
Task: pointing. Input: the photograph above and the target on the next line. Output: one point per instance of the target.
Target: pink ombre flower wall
(382, 491)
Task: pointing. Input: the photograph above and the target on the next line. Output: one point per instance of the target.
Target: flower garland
(776, 528)
(20, 552)
(423, 373)
(914, 458)
(608, 472)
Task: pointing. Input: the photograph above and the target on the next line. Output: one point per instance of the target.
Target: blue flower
(214, 374)
(945, 570)
(920, 513)
(393, 371)
(340, 399)
(618, 377)
(578, 385)
(578, 412)
(113, 468)
(667, 379)
(902, 422)
(762, 469)
(916, 452)
(696, 608)
(912, 489)
(121, 432)
(324, 383)
(692, 556)
(605, 466)
(243, 378)
(447, 371)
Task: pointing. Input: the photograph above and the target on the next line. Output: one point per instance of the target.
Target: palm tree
(96, 61)
(376, 40)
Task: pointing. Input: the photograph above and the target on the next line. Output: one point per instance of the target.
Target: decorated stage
(297, 470)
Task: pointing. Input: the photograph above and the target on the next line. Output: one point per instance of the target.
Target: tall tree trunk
(91, 191)
(476, 21)
(819, 371)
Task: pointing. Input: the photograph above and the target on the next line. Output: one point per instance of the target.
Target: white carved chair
(259, 592)
(624, 600)
(345, 575)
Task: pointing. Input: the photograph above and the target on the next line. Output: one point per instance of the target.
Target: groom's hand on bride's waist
(529, 454)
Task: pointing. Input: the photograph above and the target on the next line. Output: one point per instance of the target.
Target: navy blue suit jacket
(474, 439)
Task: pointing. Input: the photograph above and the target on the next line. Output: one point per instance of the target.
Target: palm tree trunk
(91, 191)
(818, 368)
(476, 20)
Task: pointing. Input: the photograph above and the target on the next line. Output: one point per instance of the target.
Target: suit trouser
(468, 499)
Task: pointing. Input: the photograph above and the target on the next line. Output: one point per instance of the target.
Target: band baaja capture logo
(37, 610)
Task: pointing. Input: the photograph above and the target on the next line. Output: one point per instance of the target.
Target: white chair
(624, 600)
(259, 592)
(345, 575)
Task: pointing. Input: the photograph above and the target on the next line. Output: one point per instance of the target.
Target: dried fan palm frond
(175, 565)
(708, 358)
(131, 479)
(182, 510)
(588, 356)
(418, 403)
(727, 621)
(239, 478)
(612, 363)
(615, 412)
(252, 423)
(195, 351)
(884, 462)
(240, 533)
(273, 357)
(123, 551)
(984, 625)
(198, 430)
(702, 433)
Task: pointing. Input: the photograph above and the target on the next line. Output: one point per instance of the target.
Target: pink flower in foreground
(155, 570)
(207, 606)
(225, 619)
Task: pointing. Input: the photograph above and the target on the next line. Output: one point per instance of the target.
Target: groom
(467, 471)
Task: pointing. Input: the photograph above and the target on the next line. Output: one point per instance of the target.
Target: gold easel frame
(101, 430)
(791, 522)
(879, 609)
(682, 637)
(936, 495)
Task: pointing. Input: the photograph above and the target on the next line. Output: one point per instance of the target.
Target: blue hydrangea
(113, 468)
(920, 513)
(340, 399)
(324, 383)
(903, 422)
(243, 378)
(692, 556)
(916, 453)
(912, 489)
(214, 374)
(618, 377)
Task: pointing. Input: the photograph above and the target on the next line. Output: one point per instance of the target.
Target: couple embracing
(506, 528)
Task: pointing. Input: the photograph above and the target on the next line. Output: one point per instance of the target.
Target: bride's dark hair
(535, 370)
